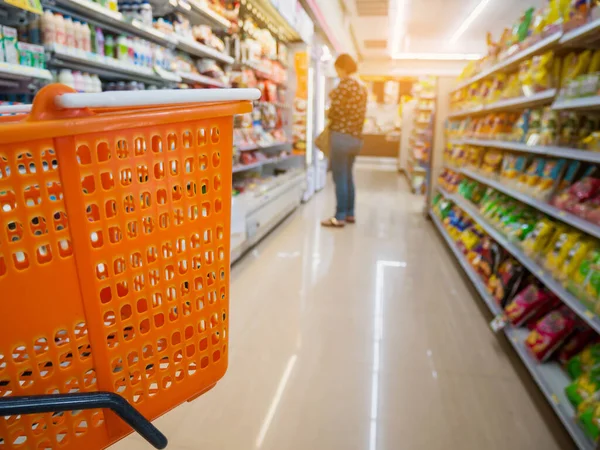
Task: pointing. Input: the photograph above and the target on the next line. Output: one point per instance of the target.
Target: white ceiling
(429, 24)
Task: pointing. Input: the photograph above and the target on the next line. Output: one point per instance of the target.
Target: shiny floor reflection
(362, 338)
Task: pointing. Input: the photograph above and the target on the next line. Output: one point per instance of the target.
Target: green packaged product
(587, 360)
(584, 389)
(584, 282)
(590, 420)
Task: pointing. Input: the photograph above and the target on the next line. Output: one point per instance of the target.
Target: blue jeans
(344, 148)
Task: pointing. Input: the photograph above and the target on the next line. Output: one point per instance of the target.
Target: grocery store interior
(299, 224)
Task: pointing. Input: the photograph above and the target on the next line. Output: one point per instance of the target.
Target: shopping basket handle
(116, 99)
(36, 404)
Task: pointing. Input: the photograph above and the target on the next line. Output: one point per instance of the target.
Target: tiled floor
(360, 339)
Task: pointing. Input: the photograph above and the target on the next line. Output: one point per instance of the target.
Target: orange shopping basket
(114, 261)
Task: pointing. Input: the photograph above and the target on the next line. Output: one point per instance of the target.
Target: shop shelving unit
(549, 376)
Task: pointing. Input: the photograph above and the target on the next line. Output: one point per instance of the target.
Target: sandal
(333, 223)
(350, 219)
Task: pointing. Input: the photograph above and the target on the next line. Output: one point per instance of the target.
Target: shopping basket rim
(48, 119)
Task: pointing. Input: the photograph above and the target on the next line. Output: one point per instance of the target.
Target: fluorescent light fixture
(470, 18)
(398, 29)
(438, 56)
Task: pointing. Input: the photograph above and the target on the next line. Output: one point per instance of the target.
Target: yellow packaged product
(575, 256)
(538, 239)
(529, 180)
(513, 86)
(474, 156)
(492, 159)
(542, 73)
(559, 248)
(574, 65)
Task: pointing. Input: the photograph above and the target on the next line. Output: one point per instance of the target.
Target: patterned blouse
(348, 107)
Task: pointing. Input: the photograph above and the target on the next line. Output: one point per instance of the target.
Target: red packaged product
(542, 311)
(580, 192)
(525, 304)
(581, 337)
(550, 332)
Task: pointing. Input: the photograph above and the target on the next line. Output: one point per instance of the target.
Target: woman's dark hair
(346, 63)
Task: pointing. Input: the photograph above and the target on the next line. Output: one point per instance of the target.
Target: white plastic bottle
(69, 32)
(78, 81)
(77, 42)
(86, 37)
(96, 83)
(146, 13)
(59, 27)
(48, 29)
(122, 50)
(65, 76)
(88, 85)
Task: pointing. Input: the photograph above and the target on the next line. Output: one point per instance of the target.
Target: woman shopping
(346, 120)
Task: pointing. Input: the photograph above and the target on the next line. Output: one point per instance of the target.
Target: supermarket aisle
(362, 338)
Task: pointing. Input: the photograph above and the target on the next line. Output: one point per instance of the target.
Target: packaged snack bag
(535, 127)
(525, 303)
(569, 129)
(582, 336)
(474, 155)
(559, 248)
(550, 332)
(523, 226)
(585, 361)
(585, 280)
(590, 420)
(508, 169)
(531, 177)
(584, 388)
(491, 162)
(567, 180)
(591, 210)
(574, 258)
(582, 191)
(538, 239)
(551, 174)
(549, 128)
(587, 137)
(506, 281)
(487, 260)
(520, 128)
(542, 311)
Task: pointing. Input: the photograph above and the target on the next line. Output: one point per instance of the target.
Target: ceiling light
(438, 56)
(470, 18)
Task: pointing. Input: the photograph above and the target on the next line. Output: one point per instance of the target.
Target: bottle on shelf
(96, 83)
(65, 76)
(69, 32)
(48, 29)
(77, 38)
(146, 13)
(98, 43)
(125, 8)
(113, 5)
(109, 46)
(60, 35)
(34, 29)
(86, 37)
(78, 81)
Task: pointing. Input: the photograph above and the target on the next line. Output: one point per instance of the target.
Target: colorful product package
(524, 305)
(574, 258)
(582, 191)
(534, 128)
(474, 155)
(584, 389)
(550, 332)
(559, 248)
(520, 128)
(566, 181)
(590, 420)
(529, 180)
(488, 258)
(491, 162)
(582, 336)
(523, 226)
(549, 129)
(540, 236)
(506, 281)
(584, 281)
(551, 175)
(585, 361)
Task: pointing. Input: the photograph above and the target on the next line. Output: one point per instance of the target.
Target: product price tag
(498, 323)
